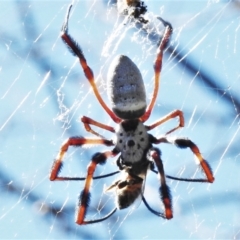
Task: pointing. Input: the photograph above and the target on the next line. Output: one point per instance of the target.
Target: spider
(132, 145)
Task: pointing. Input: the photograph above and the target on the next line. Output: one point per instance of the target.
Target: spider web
(44, 92)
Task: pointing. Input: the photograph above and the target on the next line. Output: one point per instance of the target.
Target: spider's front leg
(164, 189)
(98, 158)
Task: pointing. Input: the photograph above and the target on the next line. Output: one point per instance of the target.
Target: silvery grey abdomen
(126, 89)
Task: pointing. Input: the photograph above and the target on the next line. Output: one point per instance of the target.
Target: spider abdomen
(126, 88)
(132, 140)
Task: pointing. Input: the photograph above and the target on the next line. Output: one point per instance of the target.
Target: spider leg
(88, 121)
(174, 114)
(182, 179)
(84, 199)
(83, 178)
(159, 214)
(77, 51)
(164, 189)
(184, 143)
(73, 141)
(158, 67)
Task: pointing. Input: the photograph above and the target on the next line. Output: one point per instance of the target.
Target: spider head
(126, 89)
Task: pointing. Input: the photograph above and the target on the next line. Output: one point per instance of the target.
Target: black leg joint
(157, 150)
(165, 192)
(99, 158)
(152, 139)
(183, 143)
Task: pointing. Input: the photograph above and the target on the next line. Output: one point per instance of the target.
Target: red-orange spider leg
(76, 50)
(98, 158)
(88, 121)
(164, 189)
(174, 114)
(184, 143)
(73, 141)
(158, 67)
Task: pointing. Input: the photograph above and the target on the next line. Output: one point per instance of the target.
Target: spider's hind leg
(157, 67)
(77, 51)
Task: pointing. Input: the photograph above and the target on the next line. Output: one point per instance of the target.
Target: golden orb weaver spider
(132, 143)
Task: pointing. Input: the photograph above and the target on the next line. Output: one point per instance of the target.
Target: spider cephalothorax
(132, 140)
(132, 143)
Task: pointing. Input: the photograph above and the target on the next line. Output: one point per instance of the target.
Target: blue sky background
(43, 93)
